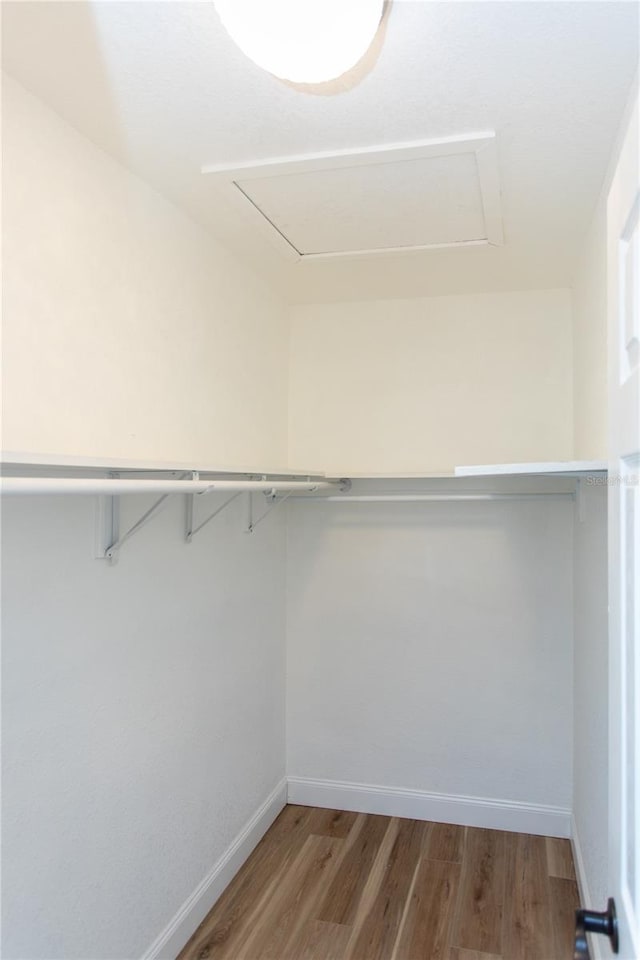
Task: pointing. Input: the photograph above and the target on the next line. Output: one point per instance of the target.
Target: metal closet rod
(443, 497)
(115, 486)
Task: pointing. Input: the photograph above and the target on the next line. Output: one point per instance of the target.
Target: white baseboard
(583, 883)
(362, 798)
(193, 911)
(595, 943)
(509, 815)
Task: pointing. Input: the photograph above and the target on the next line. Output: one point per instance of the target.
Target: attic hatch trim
(228, 178)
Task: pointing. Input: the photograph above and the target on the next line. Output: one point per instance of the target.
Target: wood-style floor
(330, 885)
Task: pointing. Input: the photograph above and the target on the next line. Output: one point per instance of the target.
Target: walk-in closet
(320, 481)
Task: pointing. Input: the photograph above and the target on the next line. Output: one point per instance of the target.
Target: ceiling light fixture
(303, 41)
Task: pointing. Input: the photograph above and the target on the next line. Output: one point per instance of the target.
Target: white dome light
(304, 41)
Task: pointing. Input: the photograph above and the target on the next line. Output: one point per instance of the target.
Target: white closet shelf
(559, 468)
(36, 463)
(39, 461)
(389, 475)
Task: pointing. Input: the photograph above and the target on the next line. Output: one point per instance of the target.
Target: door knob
(589, 921)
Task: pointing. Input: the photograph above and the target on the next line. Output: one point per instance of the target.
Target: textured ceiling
(161, 87)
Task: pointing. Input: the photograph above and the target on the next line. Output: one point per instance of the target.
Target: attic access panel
(411, 196)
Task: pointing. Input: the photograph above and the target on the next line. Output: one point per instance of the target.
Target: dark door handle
(589, 921)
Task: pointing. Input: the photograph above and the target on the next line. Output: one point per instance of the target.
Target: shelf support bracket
(580, 500)
(190, 530)
(111, 553)
(107, 524)
(275, 503)
(110, 512)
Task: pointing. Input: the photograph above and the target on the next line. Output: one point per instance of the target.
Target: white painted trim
(389, 251)
(509, 815)
(195, 908)
(352, 157)
(228, 178)
(561, 467)
(596, 944)
(12, 458)
(581, 875)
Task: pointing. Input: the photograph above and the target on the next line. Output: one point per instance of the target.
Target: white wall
(591, 694)
(590, 343)
(430, 647)
(143, 711)
(143, 718)
(426, 384)
(127, 331)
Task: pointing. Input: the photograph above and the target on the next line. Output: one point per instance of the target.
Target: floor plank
(324, 941)
(333, 885)
(345, 892)
(331, 823)
(559, 858)
(482, 894)
(426, 926)
(445, 841)
(278, 920)
(565, 900)
(528, 933)
(376, 926)
(457, 953)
